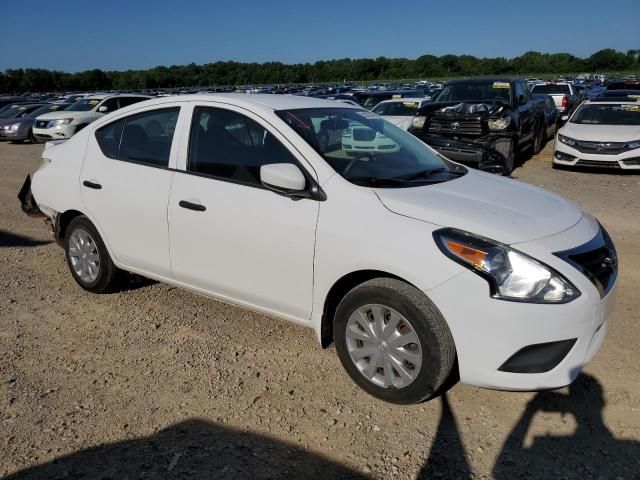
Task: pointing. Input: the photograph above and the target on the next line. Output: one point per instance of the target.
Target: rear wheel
(538, 139)
(88, 258)
(393, 342)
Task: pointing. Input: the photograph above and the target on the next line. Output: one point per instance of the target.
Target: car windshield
(485, 91)
(367, 150)
(83, 105)
(13, 111)
(399, 109)
(607, 114)
(551, 89)
(54, 107)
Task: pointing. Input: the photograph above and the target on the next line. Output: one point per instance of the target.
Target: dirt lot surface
(156, 382)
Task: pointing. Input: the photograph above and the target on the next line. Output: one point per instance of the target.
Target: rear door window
(142, 138)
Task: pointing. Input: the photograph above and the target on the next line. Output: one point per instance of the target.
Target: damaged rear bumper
(27, 202)
(488, 154)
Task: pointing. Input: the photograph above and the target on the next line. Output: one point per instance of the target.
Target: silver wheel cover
(84, 256)
(383, 346)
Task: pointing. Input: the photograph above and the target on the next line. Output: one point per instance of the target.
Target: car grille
(42, 123)
(598, 163)
(597, 260)
(454, 126)
(364, 134)
(602, 148)
(632, 162)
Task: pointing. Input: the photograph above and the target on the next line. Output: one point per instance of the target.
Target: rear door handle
(88, 184)
(192, 206)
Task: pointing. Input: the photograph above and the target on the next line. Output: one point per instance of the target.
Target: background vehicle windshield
(83, 105)
(54, 107)
(400, 109)
(487, 91)
(367, 150)
(607, 114)
(551, 89)
(12, 112)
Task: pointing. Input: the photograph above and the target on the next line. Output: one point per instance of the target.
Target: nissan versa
(418, 268)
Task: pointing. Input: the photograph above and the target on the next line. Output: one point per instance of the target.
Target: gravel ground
(156, 382)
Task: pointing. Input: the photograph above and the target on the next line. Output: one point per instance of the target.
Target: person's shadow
(193, 449)
(590, 452)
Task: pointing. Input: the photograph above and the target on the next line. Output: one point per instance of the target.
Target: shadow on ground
(193, 449)
(196, 449)
(8, 239)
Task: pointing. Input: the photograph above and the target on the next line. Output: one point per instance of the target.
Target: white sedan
(602, 133)
(400, 111)
(417, 268)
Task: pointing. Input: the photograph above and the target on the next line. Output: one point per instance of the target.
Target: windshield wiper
(431, 171)
(378, 181)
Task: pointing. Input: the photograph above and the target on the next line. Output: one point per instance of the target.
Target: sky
(76, 35)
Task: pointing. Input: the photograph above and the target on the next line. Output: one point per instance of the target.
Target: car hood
(403, 121)
(599, 133)
(502, 209)
(65, 114)
(11, 121)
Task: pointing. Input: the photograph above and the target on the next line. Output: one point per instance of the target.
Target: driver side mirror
(103, 109)
(283, 178)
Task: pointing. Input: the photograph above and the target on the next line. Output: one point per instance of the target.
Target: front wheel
(88, 258)
(393, 341)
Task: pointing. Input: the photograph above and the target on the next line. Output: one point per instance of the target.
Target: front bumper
(59, 132)
(21, 133)
(488, 332)
(567, 156)
(485, 153)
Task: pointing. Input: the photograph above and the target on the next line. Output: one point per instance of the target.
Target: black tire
(510, 160)
(108, 274)
(32, 137)
(538, 139)
(438, 348)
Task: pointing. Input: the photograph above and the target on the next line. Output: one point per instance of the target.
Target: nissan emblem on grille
(455, 126)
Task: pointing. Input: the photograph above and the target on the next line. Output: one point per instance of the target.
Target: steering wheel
(356, 160)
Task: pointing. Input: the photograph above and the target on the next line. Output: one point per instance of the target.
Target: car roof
(102, 96)
(612, 100)
(263, 101)
(483, 80)
(406, 99)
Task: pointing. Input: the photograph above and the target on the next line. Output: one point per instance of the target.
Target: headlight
(633, 145)
(499, 123)
(512, 275)
(62, 121)
(14, 127)
(566, 140)
(418, 121)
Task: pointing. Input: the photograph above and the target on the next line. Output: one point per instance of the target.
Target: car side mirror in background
(103, 109)
(283, 177)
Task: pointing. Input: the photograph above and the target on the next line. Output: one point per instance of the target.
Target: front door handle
(88, 184)
(192, 206)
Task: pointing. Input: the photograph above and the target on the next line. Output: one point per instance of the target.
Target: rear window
(551, 89)
(401, 109)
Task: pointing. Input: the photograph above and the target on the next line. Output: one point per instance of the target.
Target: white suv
(413, 265)
(64, 124)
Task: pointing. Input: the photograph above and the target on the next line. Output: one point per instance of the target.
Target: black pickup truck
(483, 122)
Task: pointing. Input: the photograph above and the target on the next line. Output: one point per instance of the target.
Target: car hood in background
(601, 133)
(65, 114)
(404, 121)
(501, 209)
(11, 121)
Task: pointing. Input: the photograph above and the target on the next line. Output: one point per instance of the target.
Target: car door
(125, 183)
(526, 117)
(229, 235)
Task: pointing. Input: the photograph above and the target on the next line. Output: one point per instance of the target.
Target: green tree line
(236, 73)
